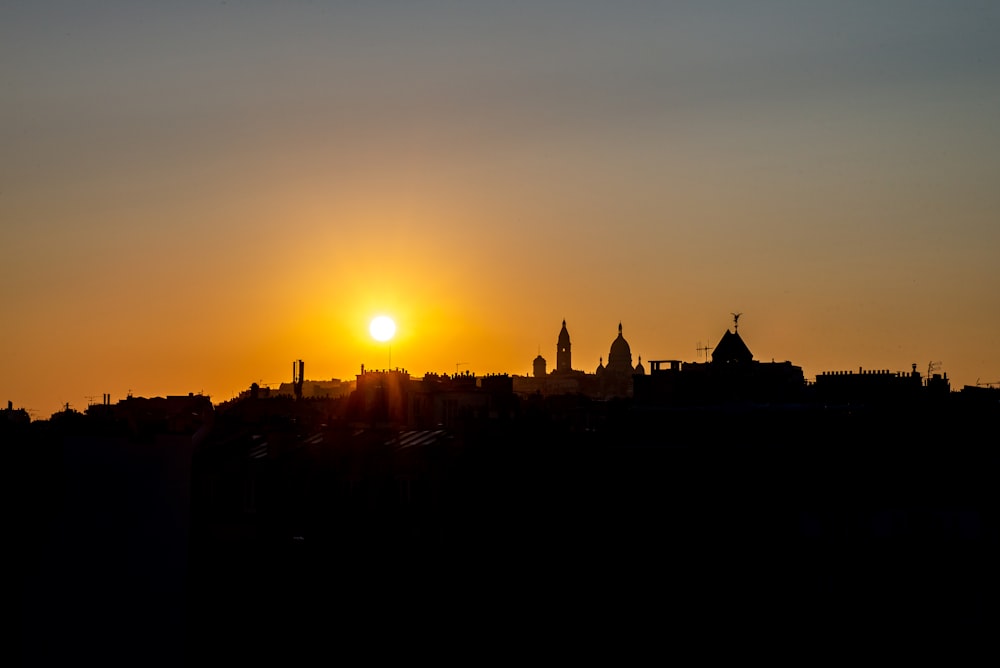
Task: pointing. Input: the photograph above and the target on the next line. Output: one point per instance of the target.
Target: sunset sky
(193, 195)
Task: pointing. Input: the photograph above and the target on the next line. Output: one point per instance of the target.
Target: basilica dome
(620, 357)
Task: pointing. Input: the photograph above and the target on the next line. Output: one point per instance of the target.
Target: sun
(382, 328)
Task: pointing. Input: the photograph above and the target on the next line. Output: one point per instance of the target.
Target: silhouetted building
(562, 380)
(381, 397)
(733, 376)
(983, 397)
(14, 416)
(878, 386)
(564, 357)
(316, 389)
(615, 380)
(443, 400)
(731, 350)
(538, 367)
(143, 416)
(394, 399)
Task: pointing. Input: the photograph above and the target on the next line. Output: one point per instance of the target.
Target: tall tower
(563, 356)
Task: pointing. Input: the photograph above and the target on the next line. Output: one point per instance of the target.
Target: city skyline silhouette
(728, 490)
(730, 346)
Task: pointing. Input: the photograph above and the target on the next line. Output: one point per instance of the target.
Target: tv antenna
(736, 321)
(703, 349)
(458, 364)
(931, 368)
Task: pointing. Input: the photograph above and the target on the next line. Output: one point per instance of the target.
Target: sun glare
(382, 328)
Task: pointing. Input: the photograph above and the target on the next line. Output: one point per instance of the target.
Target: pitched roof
(731, 349)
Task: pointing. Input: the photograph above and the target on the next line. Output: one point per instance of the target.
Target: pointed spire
(619, 328)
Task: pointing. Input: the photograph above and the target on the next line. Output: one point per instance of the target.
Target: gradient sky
(193, 195)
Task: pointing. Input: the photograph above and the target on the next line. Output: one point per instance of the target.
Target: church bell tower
(563, 356)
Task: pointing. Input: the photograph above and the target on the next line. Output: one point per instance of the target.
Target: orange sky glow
(191, 199)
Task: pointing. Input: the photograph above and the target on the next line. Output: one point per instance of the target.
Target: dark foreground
(617, 531)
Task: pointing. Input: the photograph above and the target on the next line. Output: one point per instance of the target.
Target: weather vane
(736, 321)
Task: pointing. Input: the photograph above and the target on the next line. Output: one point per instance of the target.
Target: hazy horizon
(192, 197)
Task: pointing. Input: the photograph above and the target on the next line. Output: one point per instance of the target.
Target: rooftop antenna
(704, 349)
(736, 321)
(931, 368)
(458, 364)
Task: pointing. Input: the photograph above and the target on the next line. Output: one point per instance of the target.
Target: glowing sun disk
(382, 328)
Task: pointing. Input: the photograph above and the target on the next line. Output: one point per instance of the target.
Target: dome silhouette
(620, 357)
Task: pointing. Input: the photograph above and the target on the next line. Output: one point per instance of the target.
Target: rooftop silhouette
(190, 525)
